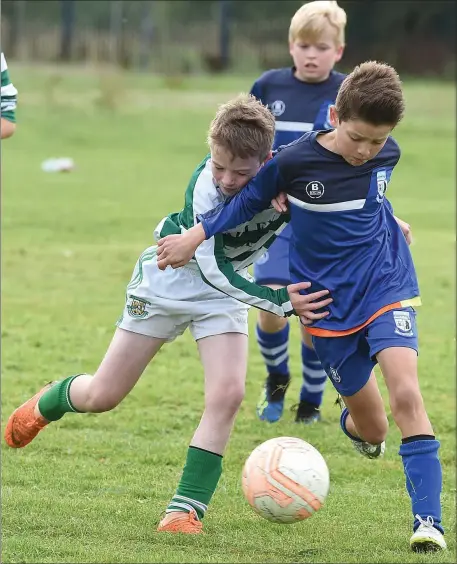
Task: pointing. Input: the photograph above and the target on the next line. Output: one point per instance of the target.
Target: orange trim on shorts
(416, 301)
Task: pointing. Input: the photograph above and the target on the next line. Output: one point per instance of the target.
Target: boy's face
(358, 141)
(232, 173)
(314, 60)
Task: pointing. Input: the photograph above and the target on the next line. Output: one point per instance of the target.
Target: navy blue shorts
(349, 360)
(273, 266)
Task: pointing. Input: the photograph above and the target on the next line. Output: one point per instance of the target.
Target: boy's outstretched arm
(251, 200)
(219, 273)
(7, 128)
(178, 250)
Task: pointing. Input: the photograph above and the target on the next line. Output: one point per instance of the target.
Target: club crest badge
(137, 307)
(403, 323)
(277, 108)
(333, 373)
(381, 183)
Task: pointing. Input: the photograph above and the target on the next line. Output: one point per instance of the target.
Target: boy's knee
(234, 396)
(407, 403)
(271, 323)
(375, 436)
(99, 401)
(375, 432)
(228, 399)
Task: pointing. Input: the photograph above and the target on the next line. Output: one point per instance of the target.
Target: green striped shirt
(8, 94)
(223, 260)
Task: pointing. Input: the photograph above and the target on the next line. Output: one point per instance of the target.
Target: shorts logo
(137, 307)
(403, 323)
(381, 182)
(263, 259)
(242, 318)
(277, 108)
(314, 189)
(333, 373)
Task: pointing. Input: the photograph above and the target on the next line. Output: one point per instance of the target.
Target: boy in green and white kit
(161, 305)
(8, 102)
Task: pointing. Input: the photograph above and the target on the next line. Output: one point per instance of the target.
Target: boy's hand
(178, 250)
(304, 305)
(406, 229)
(280, 203)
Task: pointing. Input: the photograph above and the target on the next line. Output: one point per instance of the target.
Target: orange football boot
(23, 425)
(180, 522)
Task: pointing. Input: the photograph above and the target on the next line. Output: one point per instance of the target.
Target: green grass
(92, 488)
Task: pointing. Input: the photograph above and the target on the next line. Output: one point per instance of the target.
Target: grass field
(92, 488)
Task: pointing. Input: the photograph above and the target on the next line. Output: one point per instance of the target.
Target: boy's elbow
(7, 128)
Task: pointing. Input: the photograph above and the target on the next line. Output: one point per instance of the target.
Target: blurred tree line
(189, 35)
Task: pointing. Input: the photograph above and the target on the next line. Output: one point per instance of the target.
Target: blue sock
(274, 349)
(423, 477)
(314, 377)
(343, 417)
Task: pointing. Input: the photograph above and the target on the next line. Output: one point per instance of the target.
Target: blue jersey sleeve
(389, 206)
(256, 91)
(251, 200)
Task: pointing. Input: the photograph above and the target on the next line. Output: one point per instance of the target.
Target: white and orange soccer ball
(285, 480)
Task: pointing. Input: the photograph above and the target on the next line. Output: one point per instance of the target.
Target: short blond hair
(243, 126)
(309, 21)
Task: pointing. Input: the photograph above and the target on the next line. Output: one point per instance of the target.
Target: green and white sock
(198, 482)
(55, 402)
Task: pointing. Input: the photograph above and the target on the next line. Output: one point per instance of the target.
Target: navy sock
(424, 479)
(274, 349)
(343, 417)
(314, 377)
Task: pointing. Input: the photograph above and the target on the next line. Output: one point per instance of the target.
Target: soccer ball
(285, 480)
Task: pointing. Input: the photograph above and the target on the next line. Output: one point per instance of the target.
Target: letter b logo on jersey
(314, 189)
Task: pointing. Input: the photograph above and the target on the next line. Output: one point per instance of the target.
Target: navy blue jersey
(297, 106)
(344, 235)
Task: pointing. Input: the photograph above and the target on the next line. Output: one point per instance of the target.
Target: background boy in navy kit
(299, 98)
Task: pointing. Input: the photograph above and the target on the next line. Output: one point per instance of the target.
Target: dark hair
(372, 93)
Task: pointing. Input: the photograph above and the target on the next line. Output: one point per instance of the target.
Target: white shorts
(163, 304)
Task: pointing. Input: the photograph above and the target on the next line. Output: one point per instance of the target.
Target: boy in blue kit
(345, 238)
(299, 98)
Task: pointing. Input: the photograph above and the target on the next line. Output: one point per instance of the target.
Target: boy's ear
(333, 116)
(269, 156)
(339, 53)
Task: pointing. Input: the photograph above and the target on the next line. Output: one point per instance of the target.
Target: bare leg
(125, 360)
(399, 368)
(224, 359)
(367, 417)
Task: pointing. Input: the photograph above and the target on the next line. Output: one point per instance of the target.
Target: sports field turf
(91, 488)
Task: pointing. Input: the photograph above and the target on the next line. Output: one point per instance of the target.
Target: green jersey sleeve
(218, 271)
(8, 94)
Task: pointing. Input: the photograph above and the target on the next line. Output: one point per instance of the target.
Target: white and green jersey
(223, 260)
(8, 94)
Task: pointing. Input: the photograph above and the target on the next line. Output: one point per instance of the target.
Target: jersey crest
(277, 108)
